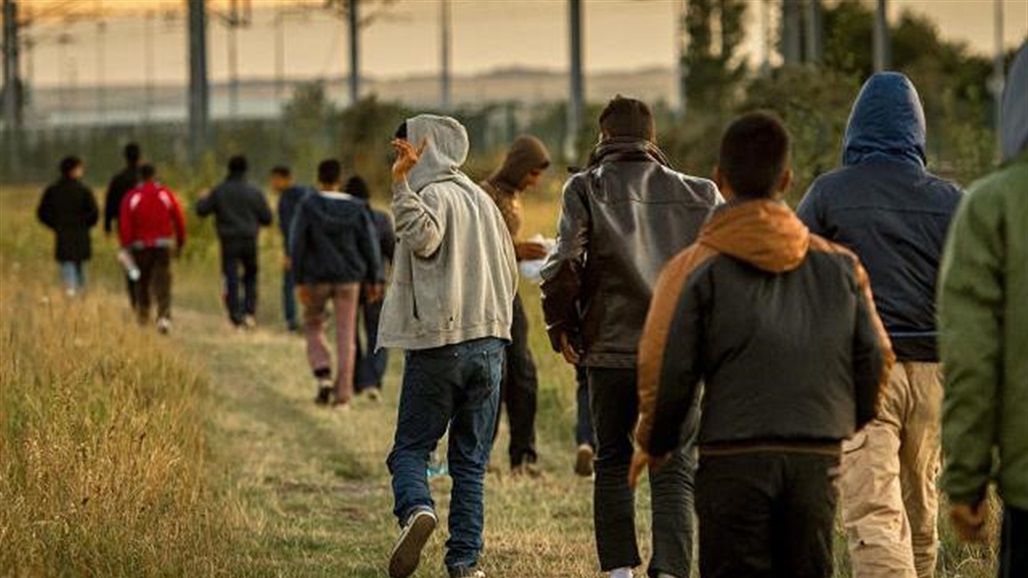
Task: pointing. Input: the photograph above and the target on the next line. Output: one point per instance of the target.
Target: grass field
(125, 454)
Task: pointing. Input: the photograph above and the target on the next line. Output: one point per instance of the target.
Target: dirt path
(312, 484)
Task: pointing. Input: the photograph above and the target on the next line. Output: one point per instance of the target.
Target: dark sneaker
(526, 470)
(584, 461)
(462, 572)
(406, 553)
(325, 390)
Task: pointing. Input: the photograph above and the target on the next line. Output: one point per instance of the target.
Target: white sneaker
(406, 553)
(622, 573)
(164, 325)
(250, 322)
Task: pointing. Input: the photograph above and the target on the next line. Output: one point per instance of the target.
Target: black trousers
(1013, 552)
(766, 514)
(614, 398)
(239, 252)
(154, 282)
(519, 391)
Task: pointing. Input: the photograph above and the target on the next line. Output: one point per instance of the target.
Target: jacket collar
(763, 233)
(626, 149)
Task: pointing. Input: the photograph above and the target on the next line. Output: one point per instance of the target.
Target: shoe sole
(406, 554)
(584, 462)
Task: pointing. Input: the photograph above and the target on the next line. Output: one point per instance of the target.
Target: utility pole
(881, 37)
(355, 74)
(280, 56)
(682, 44)
(576, 97)
(148, 64)
(444, 69)
(101, 65)
(998, 78)
(12, 82)
(791, 24)
(199, 90)
(814, 34)
(233, 59)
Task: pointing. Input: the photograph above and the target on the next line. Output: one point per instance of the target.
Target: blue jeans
(73, 275)
(456, 386)
(371, 364)
(289, 300)
(584, 434)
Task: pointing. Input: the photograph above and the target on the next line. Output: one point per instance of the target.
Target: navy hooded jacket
(888, 209)
(333, 240)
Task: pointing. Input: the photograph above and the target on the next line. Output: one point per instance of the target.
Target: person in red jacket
(152, 230)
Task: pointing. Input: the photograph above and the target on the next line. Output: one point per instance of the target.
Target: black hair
(401, 131)
(330, 172)
(754, 154)
(281, 171)
(69, 164)
(147, 171)
(132, 153)
(628, 117)
(357, 187)
(237, 164)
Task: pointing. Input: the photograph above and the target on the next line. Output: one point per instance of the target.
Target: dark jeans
(239, 252)
(519, 391)
(1013, 555)
(154, 265)
(130, 285)
(615, 406)
(455, 386)
(766, 514)
(371, 364)
(584, 434)
(289, 300)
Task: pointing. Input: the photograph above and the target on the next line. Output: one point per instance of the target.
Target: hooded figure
(983, 313)
(449, 305)
(888, 209)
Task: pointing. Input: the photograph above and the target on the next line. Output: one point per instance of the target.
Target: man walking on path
(119, 186)
(334, 250)
(621, 219)
(371, 359)
(152, 227)
(240, 210)
(290, 195)
(780, 327)
(983, 316)
(524, 164)
(885, 207)
(69, 209)
(449, 305)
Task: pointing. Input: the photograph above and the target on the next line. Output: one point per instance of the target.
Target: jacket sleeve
(206, 205)
(811, 212)
(264, 215)
(178, 219)
(564, 266)
(670, 354)
(971, 302)
(872, 352)
(125, 221)
(367, 241)
(91, 215)
(45, 210)
(420, 221)
(298, 241)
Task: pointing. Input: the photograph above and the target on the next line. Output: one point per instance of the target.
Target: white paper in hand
(530, 269)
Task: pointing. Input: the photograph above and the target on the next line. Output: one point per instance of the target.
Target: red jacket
(151, 216)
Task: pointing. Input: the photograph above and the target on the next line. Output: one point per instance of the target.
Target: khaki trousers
(888, 482)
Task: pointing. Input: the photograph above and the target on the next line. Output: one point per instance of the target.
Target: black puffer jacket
(239, 208)
(885, 207)
(334, 241)
(69, 209)
(621, 220)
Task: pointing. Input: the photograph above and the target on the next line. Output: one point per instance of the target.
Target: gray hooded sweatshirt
(455, 274)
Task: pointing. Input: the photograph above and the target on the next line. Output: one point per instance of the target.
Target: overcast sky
(487, 34)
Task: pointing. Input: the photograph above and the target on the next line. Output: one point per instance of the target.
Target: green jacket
(983, 318)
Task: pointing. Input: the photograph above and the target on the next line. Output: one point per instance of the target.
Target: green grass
(238, 473)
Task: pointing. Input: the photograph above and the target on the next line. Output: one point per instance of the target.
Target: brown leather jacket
(622, 219)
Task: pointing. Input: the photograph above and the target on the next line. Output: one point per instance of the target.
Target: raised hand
(406, 157)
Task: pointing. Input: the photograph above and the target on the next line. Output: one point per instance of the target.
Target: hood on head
(446, 150)
(1015, 107)
(525, 155)
(764, 233)
(887, 122)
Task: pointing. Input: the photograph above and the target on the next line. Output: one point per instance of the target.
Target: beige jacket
(455, 274)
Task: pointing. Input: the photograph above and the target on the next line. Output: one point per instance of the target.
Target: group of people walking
(764, 367)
